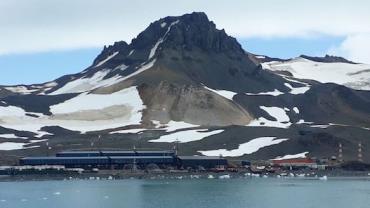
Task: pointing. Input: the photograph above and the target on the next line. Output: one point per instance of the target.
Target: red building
(294, 162)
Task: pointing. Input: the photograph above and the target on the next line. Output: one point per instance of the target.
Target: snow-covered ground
(294, 90)
(296, 110)
(267, 123)
(163, 24)
(176, 125)
(141, 69)
(278, 113)
(97, 80)
(86, 101)
(83, 84)
(272, 93)
(10, 111)
(321, 126)
(40, 89)
(224, 93)
(282, 119)
(86, 112)
(121, 67)
(11, 146)
(285, 157)
(107, 59)
(356, 76)
(6, 146)
(169, 127)
(246, 148)
(21, 89)
(297, 90)
(127, 131)
(302, 121)
(186, 136)
(11, 136)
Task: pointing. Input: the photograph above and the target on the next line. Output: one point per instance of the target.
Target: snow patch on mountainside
(121, 67)
(169, 127)
(97, 80)
(6, 146)
(85, 101)
(297, 90)
(43, 133)
(48, 86)
(86, 112)
(296, 110)
(141, 69)
(302, 121)
(272, 93)
(282, 119)
(187, 136)
(21, 89)
(246, 148)
(84, 84)
(324, 126)
(127, 131)
(9, 111)
(176, 125)
(154, 49)
(286, 157)
(131, 52)
(356, 76)
(163, 24)
(11, 136)
(278, 113)
(107, 59)
(263, 122)
(224, 93)
(321, 126)
(31, 89)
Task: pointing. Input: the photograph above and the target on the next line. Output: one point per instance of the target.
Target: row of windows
(94, 161)
(115, 153)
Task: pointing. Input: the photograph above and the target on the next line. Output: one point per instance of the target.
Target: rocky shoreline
(122, 175)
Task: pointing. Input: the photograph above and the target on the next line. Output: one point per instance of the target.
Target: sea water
(187, 193)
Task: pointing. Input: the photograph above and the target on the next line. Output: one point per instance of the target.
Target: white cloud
(354, 47)
(39, 25)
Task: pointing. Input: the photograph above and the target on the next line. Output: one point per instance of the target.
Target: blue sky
(290, 47)
(31, 68)
(42, 40)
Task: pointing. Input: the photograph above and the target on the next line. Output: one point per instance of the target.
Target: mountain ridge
(182, 78)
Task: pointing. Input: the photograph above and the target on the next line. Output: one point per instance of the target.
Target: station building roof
(199, 158)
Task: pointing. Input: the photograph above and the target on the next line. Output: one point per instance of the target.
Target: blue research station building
(119, 159)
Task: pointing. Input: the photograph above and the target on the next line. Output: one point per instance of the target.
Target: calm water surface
(235, 193)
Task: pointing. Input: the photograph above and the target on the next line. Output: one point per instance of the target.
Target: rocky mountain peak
(184, 49)
(187, 32)
(120, 46)
(176, 39)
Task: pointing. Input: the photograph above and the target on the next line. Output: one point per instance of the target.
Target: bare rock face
(191, 104)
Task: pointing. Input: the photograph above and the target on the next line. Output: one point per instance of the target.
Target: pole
(47, 149)
(360, 152)
(99, 145)
(340, 153)
(134, 165)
